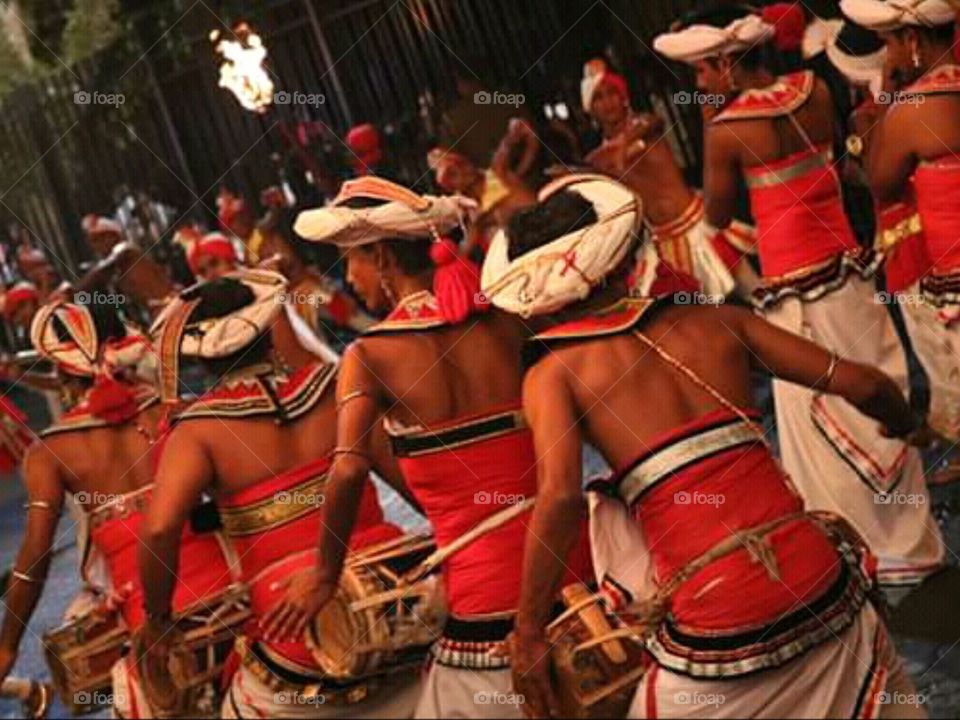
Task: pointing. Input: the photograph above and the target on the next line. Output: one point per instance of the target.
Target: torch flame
(242, 71)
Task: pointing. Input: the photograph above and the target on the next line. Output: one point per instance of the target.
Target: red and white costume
(494, 453)
(272, 527)
(808, 644)
(821, 287)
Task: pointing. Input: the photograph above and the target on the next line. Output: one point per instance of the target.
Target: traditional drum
(80, 655)
(204, 635)
(385, 615)
(598, 659)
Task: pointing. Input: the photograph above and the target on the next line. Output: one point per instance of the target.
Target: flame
(242, 71)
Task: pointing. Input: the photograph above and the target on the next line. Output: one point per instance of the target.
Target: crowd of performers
(220, 456)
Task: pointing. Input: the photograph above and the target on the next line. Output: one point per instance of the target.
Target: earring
(916, 58)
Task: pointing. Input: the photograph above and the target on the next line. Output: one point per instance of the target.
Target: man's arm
(796, 359)
(386, 466)
(891, 158)
(358, 396)
(551, 412)
(45, 493)
(185, 470)
(721, 173)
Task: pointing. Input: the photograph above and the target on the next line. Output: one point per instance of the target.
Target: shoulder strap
(688, 373)
(803, 133)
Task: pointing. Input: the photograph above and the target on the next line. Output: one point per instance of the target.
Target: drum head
(332, 636)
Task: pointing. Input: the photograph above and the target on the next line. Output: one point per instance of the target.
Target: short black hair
(562, 213)
(219, 298)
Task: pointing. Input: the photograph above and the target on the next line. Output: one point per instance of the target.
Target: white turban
(887, 15)
(405, 215)
(567, 269)
(698, 42)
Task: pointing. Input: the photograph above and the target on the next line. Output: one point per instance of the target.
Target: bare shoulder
(44, 453)
(550, 371)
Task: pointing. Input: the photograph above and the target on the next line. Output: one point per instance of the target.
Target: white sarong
(454, 692)
(836, 457)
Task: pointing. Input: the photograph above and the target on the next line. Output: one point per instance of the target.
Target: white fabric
(887, 15)
(307, 337)
(346, 227)
(464, 693)
(593, 73)
(698, 42)
(566, 270)
(224, 336)
(938, 348)
(618, 548)
(902, 533)
(865, 70)
(825, 682)
(248, 697)
(819, 35)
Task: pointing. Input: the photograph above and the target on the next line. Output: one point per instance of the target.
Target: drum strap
(485, 526)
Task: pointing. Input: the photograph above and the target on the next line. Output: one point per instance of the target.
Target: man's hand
(530, 665)
(305, 597)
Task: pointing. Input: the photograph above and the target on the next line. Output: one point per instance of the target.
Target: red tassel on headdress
(790, 23)
(456, 282)
(112, 400)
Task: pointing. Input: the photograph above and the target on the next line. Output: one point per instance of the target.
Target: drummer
(260, 441)
(100, 453)
(452, 409)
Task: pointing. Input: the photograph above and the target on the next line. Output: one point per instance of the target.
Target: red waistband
(271, 486)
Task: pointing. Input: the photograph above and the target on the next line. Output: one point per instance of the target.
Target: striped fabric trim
(423, 442)
(878, 478)
(673, 458)
(816, 281)
(295, 402)
(284, 507)
(769, 178)
(868, 704)
(941, 290)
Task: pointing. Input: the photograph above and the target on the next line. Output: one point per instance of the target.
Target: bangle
(24, 577)
(831, 371)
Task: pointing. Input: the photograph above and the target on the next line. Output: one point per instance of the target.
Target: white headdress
(698, 42)
(567, 269)
(887, 15)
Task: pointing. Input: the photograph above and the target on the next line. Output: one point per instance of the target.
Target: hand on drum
(305, 595)
(530, 665)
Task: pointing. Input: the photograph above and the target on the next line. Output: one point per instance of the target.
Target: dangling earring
(384, 287)
(916, 58)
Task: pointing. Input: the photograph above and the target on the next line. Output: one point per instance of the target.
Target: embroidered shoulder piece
(256, 396)
(621, 317)
(80, 417)
(415, 312)
(785, 96)
(944, 79)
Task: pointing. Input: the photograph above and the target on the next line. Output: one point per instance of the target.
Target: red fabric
(787, 94)
(670, 282)
(617, 82)
(366, 144)
(938, 200)
(14, 439)
(790, 23)
(275, 554)
(339, 309)
(456, 283)
(802, 221)
(203, 568)
(112, 401)
(211, 245)
(17, 295)
(729, 255)
(907, 261)
(753, 491)
(458, 488)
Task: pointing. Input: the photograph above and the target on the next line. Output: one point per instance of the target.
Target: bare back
(767, 140)
(244, 451)
(446, 373)
(934, 128)
(100, 462)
